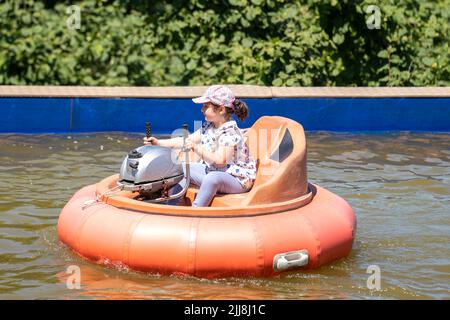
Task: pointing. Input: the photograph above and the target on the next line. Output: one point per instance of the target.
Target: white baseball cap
(219, 95)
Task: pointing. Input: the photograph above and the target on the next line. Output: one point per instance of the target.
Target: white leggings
(210, 183)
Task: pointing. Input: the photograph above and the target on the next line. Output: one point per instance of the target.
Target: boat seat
(278, 145)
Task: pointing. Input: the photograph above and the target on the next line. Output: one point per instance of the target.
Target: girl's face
(213, 115)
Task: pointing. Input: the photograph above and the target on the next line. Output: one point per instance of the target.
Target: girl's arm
(171, 143)
(222, 156)
(174, 142)
(219, 158)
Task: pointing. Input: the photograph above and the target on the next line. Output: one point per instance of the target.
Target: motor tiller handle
(148, 129)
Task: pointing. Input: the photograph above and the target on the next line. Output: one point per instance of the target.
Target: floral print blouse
(241, 165)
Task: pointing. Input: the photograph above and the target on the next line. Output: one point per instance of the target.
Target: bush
(200, 42)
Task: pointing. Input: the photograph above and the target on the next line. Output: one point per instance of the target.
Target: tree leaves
(197, 42)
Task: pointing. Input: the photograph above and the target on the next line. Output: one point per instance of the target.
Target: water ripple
(397, 183)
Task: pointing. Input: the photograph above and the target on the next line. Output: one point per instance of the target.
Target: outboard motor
(151, 171)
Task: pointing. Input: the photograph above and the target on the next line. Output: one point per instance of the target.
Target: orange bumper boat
(284, 223)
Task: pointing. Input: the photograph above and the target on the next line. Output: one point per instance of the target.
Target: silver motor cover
(150, 169)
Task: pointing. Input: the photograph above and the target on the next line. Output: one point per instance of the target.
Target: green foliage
(201, 42)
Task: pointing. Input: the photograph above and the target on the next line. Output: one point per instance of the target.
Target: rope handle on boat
(98, 197)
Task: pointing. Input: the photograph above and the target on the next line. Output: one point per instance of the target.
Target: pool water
(397, 183)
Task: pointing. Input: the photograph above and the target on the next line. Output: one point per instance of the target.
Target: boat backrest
(278, 145)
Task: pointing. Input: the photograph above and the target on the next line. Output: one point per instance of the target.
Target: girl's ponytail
(240, 109)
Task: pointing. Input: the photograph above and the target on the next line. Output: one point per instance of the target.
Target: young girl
(226, 165)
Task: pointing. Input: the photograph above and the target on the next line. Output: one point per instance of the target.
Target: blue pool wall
(76, 115)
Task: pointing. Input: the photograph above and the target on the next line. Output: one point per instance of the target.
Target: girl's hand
(151, 141)
(191, 145)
